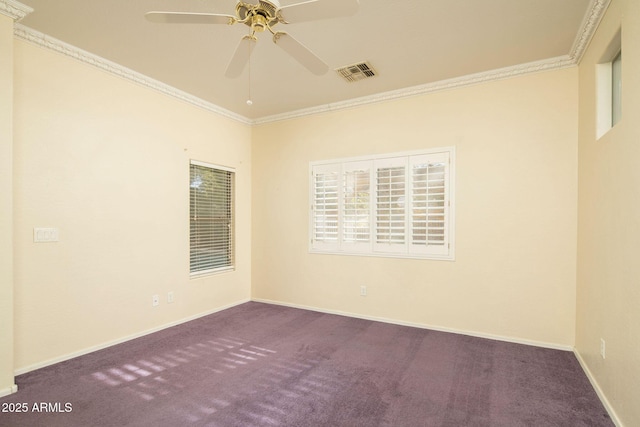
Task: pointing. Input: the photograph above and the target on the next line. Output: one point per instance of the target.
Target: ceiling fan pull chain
(249, 100)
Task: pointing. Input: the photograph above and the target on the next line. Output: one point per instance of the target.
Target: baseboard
(603, 398)
(422, 326)
(82, 352)
(9, 390)
(612, 413)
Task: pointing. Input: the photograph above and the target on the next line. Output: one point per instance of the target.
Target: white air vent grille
(355, 72)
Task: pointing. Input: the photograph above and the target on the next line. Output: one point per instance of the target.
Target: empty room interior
(464, 171)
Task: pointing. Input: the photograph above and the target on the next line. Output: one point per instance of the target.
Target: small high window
(609, 87)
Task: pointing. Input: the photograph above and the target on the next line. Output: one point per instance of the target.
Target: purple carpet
(264, 365)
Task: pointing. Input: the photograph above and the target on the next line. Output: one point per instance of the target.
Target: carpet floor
(264, 365)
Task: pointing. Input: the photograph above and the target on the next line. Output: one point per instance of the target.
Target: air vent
(356, 72)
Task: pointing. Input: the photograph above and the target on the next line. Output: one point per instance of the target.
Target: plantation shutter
(326, 210)
(356, 206)
(398, 205)
(391, 185)
(429, 204)
(211, 218)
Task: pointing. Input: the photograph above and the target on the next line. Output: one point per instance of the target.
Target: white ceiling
(410, 43)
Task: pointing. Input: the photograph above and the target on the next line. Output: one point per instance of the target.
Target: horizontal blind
(211, 219)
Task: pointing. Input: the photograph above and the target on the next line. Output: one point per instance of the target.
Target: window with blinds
(394, 205)
(211, 208)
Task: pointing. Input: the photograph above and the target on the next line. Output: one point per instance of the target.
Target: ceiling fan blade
(188, 18)
(317, 9)
(300, 53)
(241, 56)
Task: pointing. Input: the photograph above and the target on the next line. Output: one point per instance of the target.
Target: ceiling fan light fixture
(259, 23)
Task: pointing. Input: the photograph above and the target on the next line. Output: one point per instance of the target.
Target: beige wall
(516, 174)
(107, 162)
(6, 205)
(608, 288)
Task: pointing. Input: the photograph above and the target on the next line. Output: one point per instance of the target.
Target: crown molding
(471, 79)
(37, 38)
(590, 23)
(14, 10)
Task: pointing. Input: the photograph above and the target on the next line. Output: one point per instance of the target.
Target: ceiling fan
(261, 15)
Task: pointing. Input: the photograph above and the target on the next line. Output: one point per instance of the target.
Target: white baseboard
(9, 390)
(605, 402)
(599, 392)
(614, 417)
(423, 326)
(82, 352)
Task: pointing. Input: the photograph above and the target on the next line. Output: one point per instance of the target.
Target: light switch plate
(45, 234)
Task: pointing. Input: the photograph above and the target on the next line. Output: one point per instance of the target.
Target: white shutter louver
(326, 181)
(391, 205)
(356, 205)
(435, 204)
(429, 203)
(397, 205)
(211, 219)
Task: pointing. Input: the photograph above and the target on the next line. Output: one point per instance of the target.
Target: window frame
(373, 247)
(228, 242)
(616, 89)
(608, 88)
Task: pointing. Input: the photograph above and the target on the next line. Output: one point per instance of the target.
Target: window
(211, 218)
(398, 205)
(609, 87)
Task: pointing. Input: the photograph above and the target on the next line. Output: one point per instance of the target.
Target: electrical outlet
(155, 300)
(603, 346)
(363, 290)
(170, 297)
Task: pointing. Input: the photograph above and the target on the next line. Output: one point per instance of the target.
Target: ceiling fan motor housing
(259, 17)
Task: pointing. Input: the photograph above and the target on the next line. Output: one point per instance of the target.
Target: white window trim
(605, 96)
(372, 248)
(616, 89)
